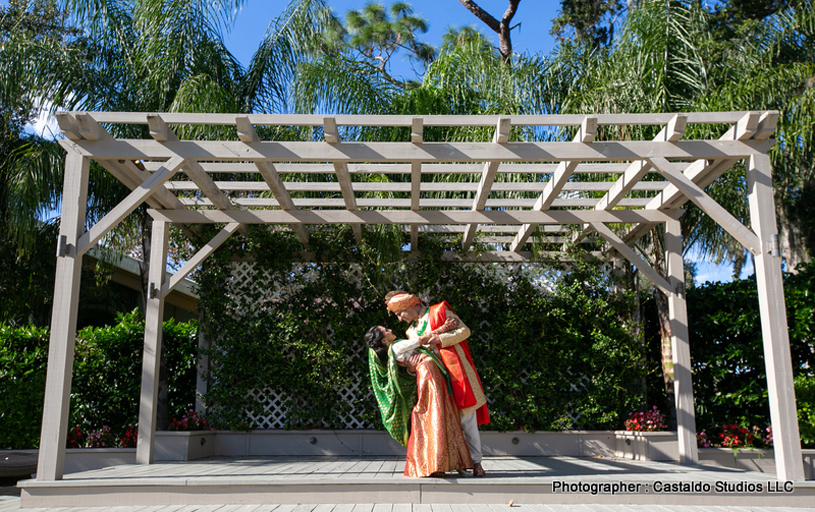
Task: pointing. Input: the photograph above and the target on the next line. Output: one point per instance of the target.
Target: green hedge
(729, 376)
(106, 378)
(23, 358)
(540, 354)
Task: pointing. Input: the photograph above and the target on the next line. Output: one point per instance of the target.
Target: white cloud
(46, 124)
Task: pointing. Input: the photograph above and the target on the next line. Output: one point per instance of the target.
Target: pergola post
(148, 404)
(680, 337)
(783, 413)
(201, 369)
(63, 320)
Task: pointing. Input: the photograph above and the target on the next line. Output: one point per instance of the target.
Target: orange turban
(402, 301)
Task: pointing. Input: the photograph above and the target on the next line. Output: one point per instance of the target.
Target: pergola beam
(746, 237)
(672, 132)
(388, 186)
(635, 259)
(305, 167)
(130, 203)
(386, 202)
(198, 258)
(758, 126)
(428, 120)
(248, 135)
(501, 136)
(123, 170)
(585, 135)
(383, 152)
(332, 137)
(163, 134)
(409, 217)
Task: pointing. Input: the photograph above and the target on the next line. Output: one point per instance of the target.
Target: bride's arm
(402, 347)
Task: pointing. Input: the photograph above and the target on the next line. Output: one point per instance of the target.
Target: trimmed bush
(23, 358)
(106, 379)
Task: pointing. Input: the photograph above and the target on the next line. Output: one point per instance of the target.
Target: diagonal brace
(725, 219)
(130, 203)
(629, 253)
(198, 258)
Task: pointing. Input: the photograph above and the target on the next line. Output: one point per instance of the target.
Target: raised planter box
(751, 459)
(646, 445)
(575, 443)
(191, 445)
(182, 446)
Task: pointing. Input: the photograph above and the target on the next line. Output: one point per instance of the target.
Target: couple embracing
(427, 388)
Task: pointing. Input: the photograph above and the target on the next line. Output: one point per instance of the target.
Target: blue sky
(532, 35)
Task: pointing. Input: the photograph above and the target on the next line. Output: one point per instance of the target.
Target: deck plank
(305, 507)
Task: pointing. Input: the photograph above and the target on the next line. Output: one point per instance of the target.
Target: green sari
(395, 391)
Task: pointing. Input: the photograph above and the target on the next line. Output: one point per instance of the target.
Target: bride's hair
(373, 339)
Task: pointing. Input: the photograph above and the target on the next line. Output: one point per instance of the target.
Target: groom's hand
(434, 340)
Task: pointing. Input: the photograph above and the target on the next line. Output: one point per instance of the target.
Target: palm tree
(155, 56)
(666, 59)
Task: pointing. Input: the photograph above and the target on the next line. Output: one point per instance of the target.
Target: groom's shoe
(478, 470)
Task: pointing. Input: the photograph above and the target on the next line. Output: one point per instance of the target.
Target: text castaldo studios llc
(673, 487)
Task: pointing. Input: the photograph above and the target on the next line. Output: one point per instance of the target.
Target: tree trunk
(791, 241)
(502, 28)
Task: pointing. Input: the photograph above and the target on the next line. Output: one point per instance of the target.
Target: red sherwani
(467, 390)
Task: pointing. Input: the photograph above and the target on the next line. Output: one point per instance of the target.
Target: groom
(427, 324)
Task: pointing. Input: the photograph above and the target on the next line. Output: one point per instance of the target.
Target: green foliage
(377, 36)
(23, 357)
(587, 20)
(729, 378)
(805, 396)
(107, 372)
(106, 377)
(296, 329)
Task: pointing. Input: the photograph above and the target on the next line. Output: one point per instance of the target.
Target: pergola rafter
(505, 193)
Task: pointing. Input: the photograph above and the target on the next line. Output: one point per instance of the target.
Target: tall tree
(160, 56)
(666, 59)
(590, 21)
(502, 27)
(31, 33)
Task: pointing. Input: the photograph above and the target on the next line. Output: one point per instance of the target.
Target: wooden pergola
(548, 204)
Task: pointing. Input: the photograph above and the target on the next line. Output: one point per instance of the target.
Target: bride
(417, 409)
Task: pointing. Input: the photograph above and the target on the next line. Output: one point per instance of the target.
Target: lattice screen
(248, 281)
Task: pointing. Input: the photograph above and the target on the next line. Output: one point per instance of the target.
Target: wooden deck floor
(12, 505)
(528, 481)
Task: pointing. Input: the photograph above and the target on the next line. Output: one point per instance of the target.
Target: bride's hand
(413, 362)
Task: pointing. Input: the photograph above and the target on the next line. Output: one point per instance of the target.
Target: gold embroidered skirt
(436, 443)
